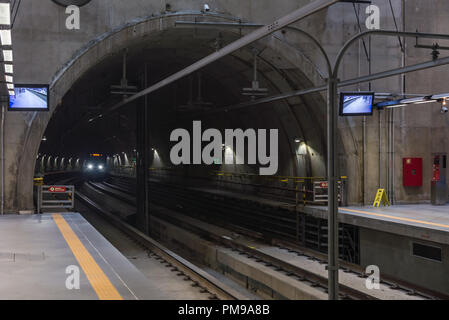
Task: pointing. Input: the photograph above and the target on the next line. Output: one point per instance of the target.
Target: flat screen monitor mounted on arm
(29, 98)
(356, 103)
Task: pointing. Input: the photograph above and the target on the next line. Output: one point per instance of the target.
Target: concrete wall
(422, 129)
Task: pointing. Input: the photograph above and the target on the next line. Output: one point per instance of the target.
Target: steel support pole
(350, 82)
(2, 158)
(146, 176)
(332, 133)
(140, 220)
(143, 147)
(332, 173)
(332, 88)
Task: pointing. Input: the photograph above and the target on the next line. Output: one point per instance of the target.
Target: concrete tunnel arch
(301, 70)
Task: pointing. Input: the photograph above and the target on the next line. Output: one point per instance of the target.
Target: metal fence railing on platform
(55, 197)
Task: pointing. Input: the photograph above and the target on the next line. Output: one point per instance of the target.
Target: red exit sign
(324, 185)
(57, 189)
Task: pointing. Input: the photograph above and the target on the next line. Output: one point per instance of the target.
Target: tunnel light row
(135, 150)
(6, 42)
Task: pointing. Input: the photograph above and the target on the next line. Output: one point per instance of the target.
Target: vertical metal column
(147, 147)
(39, 201)
(142, 173)
(2, 158)
(332, 166)
(380, 149)
(139, 165)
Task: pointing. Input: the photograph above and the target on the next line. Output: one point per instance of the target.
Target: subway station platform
(38, 254)
(422, 221)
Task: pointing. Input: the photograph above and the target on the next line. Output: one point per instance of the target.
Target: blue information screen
(353, 104)
(29, 98)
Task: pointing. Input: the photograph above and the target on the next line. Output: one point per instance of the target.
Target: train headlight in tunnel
(100, 167)
(90, 166)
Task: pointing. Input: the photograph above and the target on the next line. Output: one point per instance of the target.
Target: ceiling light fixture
(7, 55)
(5, 37)
(8, 68)
(5, 13)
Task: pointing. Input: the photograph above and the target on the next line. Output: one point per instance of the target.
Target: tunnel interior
(85, 169)
(204, 96)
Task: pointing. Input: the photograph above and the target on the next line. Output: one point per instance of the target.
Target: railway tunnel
(126, 170)
(210, 90)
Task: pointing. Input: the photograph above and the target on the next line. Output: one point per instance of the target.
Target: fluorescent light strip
(8, 68)
(6, 40)
(409, 104)
(5, 36)
(413, 100)
(5, 13)
(440, 96)
(7, 55)
(395, 106)
(427, 101)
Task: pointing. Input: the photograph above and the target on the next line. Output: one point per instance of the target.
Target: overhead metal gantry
(332, 111)
(344, 83)
(234, 46)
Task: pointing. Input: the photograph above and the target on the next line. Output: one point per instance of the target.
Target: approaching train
(95, 166)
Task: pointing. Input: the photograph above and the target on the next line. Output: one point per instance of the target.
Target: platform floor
(435, 217)
(423, 221)
(36, 250)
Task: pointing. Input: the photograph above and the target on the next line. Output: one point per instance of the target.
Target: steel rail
(196, 274)
(314, 279)
(425, 293)
(276, 263)
(345, 83)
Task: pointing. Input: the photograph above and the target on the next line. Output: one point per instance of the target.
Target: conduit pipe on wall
(390, 159)
(380, 149)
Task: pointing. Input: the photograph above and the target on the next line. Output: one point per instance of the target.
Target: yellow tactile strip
(99, 281)
(396, 218)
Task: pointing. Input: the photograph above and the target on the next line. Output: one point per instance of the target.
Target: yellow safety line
(99, 281)
(397, 218)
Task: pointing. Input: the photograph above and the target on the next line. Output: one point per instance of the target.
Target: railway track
(288, 243)
(269, 221)
(295, 272)
(205, 282)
